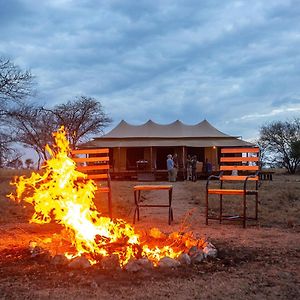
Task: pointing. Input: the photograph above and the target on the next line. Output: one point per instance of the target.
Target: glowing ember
(65, 195)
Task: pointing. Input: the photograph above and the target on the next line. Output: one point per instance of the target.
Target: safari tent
(145, 147)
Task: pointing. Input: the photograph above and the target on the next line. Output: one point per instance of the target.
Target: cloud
(227, 61)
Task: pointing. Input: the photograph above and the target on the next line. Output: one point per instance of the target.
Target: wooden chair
(95, 163)
(237, 165)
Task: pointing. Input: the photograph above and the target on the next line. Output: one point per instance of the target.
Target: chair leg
(221, 208)
(244, 214)
(109, 204)
(134, 216)
(256, 206)
(136, 211)
(206, 208)
(170, 207)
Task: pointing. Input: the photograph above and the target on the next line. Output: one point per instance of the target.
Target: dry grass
(279, 201)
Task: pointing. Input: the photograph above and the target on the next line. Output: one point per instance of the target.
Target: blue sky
(234, 63)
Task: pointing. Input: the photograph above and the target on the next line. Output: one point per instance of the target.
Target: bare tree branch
(282, 140)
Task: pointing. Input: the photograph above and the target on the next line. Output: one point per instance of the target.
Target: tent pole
(183, 161)
(119, 158)
(151, 159)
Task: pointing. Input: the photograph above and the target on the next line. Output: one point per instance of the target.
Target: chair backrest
(239, 162)
(93, 162)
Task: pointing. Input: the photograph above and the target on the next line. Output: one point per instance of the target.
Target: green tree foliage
(282, 143)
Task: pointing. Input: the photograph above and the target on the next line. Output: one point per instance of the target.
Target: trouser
(175, 171)
(172, 174)
(189, 173)
(194, 175)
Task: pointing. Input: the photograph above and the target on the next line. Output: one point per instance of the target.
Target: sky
(233, 63)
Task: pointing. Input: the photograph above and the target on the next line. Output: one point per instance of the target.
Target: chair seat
(103, 189)
(231, 192)
(152, 187)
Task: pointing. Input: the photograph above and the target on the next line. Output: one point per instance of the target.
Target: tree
(29, 163)
(15, 87)
(295, 150)
(34, 125)
(7, 153)
(15, 163)
(81, 117)
(33, 128)
(15, 84)
(264, 153)
(282, 140)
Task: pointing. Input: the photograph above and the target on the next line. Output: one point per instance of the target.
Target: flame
(64, 195)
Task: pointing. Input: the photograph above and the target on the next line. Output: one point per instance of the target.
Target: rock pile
(195, 255)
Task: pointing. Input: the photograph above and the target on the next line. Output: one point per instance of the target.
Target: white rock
(168, 262)
(184, 259)
(79, 262)
(210, 251)
(59, 260)
(145, 263)
(193, 250)
(110, 262)
(133, 266)
(196, 255)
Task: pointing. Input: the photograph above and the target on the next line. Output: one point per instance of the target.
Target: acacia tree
(282, 143)
(34, 125)
(29, 163)
(15, 87)
(81, 117)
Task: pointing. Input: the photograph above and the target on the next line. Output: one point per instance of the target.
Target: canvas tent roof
(176, 129)
(177, 133)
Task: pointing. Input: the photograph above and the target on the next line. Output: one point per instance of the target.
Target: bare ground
(259, 262)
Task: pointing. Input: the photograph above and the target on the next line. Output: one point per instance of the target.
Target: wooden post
(151, 159)
(183, 162)
(119, 159)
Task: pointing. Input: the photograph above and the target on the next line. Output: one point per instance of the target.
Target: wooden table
(137, 189)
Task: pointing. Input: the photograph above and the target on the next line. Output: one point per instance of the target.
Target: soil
(259, 262)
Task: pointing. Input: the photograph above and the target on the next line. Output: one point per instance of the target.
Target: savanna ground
(259, 262)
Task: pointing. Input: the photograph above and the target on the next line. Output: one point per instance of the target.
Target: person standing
(208, 167)
(188, 168)
(194, 168)
(175, 160)
(170, 167)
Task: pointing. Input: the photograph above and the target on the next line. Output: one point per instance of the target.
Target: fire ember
(64, 195)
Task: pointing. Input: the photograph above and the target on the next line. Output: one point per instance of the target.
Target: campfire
(62, 194)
